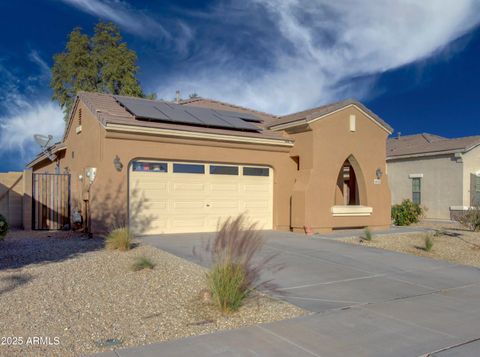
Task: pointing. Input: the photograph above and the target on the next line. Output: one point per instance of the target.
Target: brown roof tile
(107, 110)
(428, 144)
(306, 115)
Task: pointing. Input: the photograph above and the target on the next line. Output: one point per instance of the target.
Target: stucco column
(27, 199)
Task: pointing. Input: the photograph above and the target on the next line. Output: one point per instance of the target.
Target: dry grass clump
(142, 263)
(119, 239)
(235, 274)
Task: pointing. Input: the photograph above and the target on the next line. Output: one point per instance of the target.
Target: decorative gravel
(451, 242)
(80, 299)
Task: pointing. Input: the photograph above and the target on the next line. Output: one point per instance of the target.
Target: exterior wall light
(378, 173)
(117, 163)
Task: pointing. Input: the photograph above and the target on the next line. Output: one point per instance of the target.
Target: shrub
(406, 213)
(3, 227)
(120, 238)
(142, 263)
(471, 219)
(428, 242)
(367, 234)
(234, 275)
(228, 286)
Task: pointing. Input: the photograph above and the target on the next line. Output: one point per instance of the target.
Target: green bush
(142, 263)
(428, 243)
(120, 238)
(3, 227)
(406, 213)
(471, 219)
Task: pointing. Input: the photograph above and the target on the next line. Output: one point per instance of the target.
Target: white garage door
(180, 197)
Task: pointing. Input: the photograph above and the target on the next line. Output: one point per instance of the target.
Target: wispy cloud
(285, 55)
(121, 13)
(22, 116)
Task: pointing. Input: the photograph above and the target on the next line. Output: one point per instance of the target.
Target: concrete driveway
(364, 302)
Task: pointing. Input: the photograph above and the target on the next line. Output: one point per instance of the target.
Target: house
(165, 167)
(442, 175)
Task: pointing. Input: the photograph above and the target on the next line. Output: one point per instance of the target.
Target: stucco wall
(11, 198)
(442, 184)
(323, 148)
(471, 165)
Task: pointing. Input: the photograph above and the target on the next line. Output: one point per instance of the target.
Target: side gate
(51, 201)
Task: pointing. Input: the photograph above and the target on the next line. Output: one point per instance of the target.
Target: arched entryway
(350, 189)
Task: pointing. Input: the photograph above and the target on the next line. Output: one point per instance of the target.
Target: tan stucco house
(441, 174)
(165, 167)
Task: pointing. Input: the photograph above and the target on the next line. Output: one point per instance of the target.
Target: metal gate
(51, 201)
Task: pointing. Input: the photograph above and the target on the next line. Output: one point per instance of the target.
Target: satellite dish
(44, 142)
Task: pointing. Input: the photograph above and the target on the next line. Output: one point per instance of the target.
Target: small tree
(101, 63)
(471, 218)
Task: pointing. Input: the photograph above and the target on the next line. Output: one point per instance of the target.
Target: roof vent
(177, 96)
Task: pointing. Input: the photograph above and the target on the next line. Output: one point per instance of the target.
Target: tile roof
(428, 144)
(310, 114)
(108, 110)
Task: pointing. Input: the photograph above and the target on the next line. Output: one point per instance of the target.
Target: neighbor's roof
(306, 116)
(108, 111)
(428, 144)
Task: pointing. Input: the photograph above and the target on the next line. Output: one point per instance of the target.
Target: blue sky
(416, 64)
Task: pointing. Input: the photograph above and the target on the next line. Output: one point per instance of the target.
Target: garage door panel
(188, 187)
(187, 202)
(188, 205)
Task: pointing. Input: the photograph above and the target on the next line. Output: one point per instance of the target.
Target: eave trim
(196, 135)
(311, 120)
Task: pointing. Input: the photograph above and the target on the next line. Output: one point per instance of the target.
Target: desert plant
(120, 238)
(142, 263)
(471, 219)
(428, 243)
(367, 234)
(3, 227)
(406, 213)
(234, 275)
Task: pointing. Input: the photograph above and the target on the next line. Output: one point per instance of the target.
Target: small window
(417, 190)
(477, 190)
(223, 170)
(150, 166)
(256, 171)
(189, 168)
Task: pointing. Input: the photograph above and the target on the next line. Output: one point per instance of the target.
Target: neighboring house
(168, 167)
(441, 174)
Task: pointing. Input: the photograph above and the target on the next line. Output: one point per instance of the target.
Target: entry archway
(350, 185)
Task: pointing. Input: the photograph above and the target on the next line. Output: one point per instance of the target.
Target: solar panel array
(182, 114)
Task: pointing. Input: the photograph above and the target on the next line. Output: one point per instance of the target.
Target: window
(150, 166)
(256, 171)
(417, 190)
(189, 168)
(223, 170)
(477, 191)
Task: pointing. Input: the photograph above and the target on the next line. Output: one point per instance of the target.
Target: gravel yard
(58, 285)
(452, 243)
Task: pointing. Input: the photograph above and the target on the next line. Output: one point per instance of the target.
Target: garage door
(181, 197)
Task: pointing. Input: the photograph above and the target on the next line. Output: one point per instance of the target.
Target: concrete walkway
(364, 302)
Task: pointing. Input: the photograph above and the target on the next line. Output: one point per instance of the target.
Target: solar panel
(240, 115)
(175, 113)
